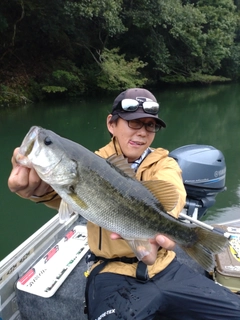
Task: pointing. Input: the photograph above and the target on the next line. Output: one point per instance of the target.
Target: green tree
(181, 40)
(117, 73)
(220, 28)
(69, 47)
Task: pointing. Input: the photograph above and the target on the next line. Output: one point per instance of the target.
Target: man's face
(133, 142)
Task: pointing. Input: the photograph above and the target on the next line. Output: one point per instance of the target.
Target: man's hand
(25, 181)
(156, 243)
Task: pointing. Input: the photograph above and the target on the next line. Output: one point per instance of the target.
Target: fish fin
(207, 245)
(82, 204)
(65, 211)
(164, 191)
(140, 247)
(204, 258)
(121, 163)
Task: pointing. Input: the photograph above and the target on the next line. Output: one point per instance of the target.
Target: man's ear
(110, 124)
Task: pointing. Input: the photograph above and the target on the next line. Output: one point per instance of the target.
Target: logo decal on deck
(235, 246)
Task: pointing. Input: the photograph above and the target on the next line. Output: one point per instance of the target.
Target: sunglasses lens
(132, 105)
(151, 107)
(129, 105)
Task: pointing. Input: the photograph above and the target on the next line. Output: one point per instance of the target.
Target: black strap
(120, 259)
(142, 272)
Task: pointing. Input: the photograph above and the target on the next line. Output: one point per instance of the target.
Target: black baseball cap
(138, 94)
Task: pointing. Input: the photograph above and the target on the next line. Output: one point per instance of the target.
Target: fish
(106, 193)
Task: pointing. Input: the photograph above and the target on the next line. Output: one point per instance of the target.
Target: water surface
(205, 115)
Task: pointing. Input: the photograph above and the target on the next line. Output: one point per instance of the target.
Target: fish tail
(207, 245)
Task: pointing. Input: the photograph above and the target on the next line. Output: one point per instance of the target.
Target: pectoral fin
(140, 247)
(65, 211)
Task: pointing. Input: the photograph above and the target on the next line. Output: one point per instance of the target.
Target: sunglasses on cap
(131, 105)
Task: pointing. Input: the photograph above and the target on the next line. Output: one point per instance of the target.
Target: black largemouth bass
(105, 192)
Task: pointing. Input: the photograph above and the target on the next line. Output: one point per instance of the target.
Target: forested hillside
(63, 48)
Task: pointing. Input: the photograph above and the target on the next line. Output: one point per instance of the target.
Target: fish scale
(127, 204)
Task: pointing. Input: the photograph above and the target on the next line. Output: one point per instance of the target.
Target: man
(119, 286)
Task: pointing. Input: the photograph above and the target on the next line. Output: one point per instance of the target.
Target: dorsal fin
(164, 191)
(122, 164)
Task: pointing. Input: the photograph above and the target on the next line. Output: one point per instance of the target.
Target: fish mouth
(27, 146)
(29, 152)
(29, 140)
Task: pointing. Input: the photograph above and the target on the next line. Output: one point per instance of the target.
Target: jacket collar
(116, 145)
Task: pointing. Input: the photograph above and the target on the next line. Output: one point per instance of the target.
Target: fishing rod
(204, 225)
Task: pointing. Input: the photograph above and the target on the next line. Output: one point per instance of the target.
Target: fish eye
(47, 141)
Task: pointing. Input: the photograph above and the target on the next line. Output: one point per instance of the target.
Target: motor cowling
(203, 172)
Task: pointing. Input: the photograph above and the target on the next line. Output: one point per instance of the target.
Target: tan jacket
(156, 166)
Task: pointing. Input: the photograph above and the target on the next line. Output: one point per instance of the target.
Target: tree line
(67, 48)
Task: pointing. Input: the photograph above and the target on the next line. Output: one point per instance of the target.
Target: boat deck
(68, 301)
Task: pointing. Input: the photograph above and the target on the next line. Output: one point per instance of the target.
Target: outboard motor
(204, 172)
